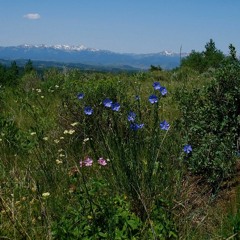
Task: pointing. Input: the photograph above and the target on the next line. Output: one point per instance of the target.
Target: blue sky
(136, 26)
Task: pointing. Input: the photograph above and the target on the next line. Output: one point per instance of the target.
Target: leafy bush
(211, 123)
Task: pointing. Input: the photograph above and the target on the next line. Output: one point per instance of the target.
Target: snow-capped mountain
(58, 46)
(85, 55)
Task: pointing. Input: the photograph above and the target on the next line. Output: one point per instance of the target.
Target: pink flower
(81, 163)
(88, 162)
(102, 161)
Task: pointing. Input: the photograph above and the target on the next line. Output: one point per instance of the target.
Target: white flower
(46, 194)
(71, 131)
(65, 132)
(74, 124)
(59, 161)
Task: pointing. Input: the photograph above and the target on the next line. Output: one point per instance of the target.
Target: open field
(91, 155)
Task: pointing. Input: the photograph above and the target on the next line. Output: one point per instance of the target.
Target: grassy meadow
(148, 155)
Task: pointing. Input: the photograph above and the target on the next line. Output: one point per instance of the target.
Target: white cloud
(32, 16)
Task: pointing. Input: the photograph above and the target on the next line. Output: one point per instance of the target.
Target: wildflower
(86, 139)
(164, 125)
(153, 99)
(107, 103)
(56, 141)
(135, 126)
(61, 138)
(74, 124)
(33, 133)
(46, 194)
(42, 96)
(88, 110)
(156, 85)
(187, 148)
(88, 162)
(102, 161)
(71, 131)
(45, 138)
(61, 155)
(80, 96)
(163, 91)
(115, 106)
(131, 116)
(59, 161)
(56, 86)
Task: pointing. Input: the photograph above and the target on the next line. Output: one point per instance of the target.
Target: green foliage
(210, 121)
(97, 215)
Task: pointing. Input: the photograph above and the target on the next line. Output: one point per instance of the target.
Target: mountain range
(89, 56)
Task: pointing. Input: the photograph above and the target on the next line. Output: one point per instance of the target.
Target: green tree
(2, 74)
(202, 61)
(195, 61)
(233, 52)
(155, 68)
(28, 68)
(12, 74)
(212, 56)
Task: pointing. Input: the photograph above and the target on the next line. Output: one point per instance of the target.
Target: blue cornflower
(131, 116)
(163, 91)
(80, 95)
(115, 106)
(153, 99)
(156, 85)
(187, 148)
(107, 103)
(164, 125)
(88, 110)
(135, 126)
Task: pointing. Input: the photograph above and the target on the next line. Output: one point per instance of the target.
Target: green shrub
(210, 123)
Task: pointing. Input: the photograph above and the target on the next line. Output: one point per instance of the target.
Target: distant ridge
(90, 56)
